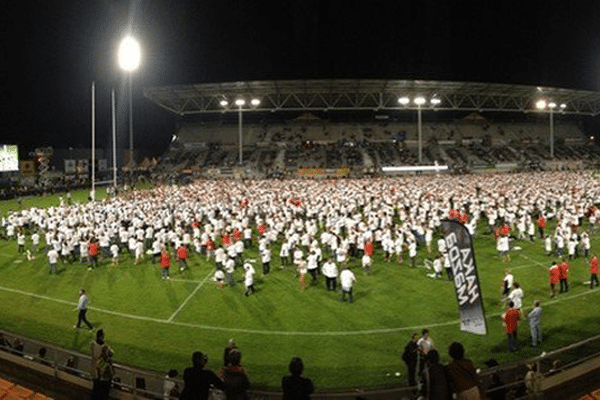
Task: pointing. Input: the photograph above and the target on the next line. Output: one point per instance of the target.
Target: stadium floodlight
(419, 100)
(552, 105)
(223, 103)
(563, 106)
(255, 102)
(540, 104)
(240, 102)
(404, 100)
(129, 54)
(436, 101)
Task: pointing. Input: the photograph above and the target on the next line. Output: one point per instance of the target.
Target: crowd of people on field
(320, 228)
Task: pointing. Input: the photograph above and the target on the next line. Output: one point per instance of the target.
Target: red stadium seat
(21, 392)
(5, 385)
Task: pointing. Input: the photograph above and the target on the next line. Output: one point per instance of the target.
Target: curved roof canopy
(348, 94)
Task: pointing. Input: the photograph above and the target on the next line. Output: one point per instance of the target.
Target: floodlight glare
(255, 102)
(540, 104)
(563, 106)
(129, 54)
(403, 100)
(224, 103)
(240, 102)
(552, 105)
(435, 101)
(419, 100)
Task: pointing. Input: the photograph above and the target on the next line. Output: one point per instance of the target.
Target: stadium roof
(348, 94)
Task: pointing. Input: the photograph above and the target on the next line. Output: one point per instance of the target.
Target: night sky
(55, 49)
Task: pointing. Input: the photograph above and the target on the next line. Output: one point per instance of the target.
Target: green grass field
(157, 324)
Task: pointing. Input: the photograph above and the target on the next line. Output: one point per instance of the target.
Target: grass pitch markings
(282, 333)
(189, 297)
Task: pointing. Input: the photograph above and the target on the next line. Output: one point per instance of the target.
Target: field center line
(189, 297)
(287, 333)
(531, 259)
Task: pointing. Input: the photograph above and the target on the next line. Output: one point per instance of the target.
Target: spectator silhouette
(197, 380)
(234, 377)
(296, 387)
(435, 382)
(463, 376)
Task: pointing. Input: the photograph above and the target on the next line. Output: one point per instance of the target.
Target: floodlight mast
(129, 59)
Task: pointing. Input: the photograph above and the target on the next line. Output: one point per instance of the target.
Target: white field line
(283, 333)
(531, 259)
(189, 297)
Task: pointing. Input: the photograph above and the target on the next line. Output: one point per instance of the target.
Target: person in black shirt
(197, 380)
(296, 387)
(410, 356)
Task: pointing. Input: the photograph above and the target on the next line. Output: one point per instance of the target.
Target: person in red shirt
(541, 225)
(165, 261)
(369, 248)
(210, 249)
(182, 256)
(511, 324)
(226, 240)
(93, 253)
(594, 271)
(563, 268)
(237, 235)
(554, 273)
(261, 229)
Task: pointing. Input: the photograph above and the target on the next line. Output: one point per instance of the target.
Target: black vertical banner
(466, 282)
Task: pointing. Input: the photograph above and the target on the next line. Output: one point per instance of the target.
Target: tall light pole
(542, 105)
(240, 103)
(114, 136)
(93, 193)
(419, 101)
(129, 60)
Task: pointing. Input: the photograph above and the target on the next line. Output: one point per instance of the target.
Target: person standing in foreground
(102, 370)
(410, 357)
(554, 274)
(197, 380)
(296, 387)
(463, 376)
(594, 271)
(511, 323)
(82, 307)
(534, 323)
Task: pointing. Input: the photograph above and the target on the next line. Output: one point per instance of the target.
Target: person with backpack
(102, 368)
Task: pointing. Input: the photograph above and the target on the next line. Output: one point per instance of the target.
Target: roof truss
(309, 95)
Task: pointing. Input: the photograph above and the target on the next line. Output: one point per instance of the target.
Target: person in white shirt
(53, 260)
(366, 263)
(249, 279)
(266, 259)
(229, 268)
(313, 265)
(516, 295)
(507, 284)
(347, 279)
(330, 271)
(114, 250)
(35, 241)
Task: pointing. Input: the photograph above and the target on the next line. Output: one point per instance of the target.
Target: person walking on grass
(82, 307)
(594, 271)
(534, 323)
(165, 262)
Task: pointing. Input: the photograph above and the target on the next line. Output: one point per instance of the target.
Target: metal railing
(134, 383)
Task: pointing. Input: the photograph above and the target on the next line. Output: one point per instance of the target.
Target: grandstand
(359, 125)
